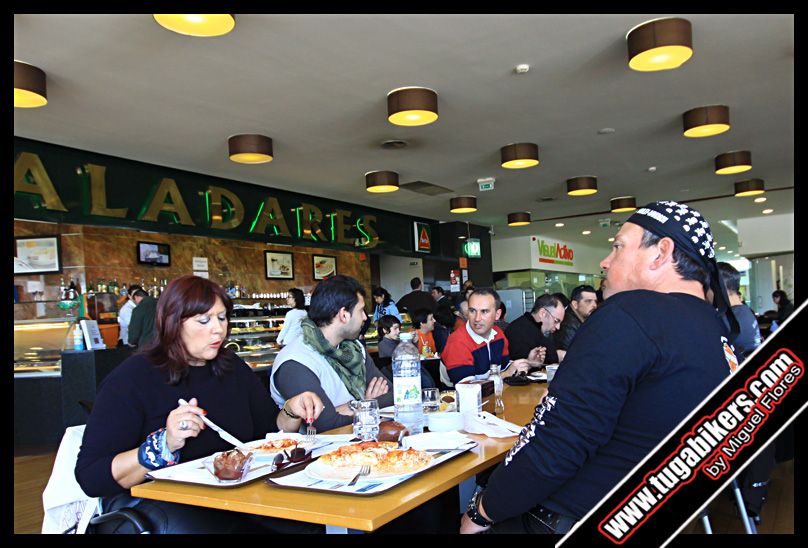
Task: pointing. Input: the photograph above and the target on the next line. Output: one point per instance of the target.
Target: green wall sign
(66, 185)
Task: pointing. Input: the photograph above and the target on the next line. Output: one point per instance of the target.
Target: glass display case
(253, 332)
(39, 343)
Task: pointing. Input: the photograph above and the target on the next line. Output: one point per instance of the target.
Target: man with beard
(583, 301)
(327, 359)
(534, 329)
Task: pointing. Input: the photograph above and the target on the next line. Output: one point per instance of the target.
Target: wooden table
(351, 511)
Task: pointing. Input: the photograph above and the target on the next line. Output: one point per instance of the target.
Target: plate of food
(266, 449)
(222, 469)
(323, 268)
(386, 460)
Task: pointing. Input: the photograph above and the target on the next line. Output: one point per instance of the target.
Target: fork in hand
(364, 471)
(311, 432)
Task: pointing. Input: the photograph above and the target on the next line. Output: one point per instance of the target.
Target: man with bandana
(327, 359)
(655, 349)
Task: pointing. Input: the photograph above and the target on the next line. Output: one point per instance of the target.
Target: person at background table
(423, 322)
(384, 304)
(784, 306)
(535, 329)
(501, 323)
(125, 315)
(416, 299)
(651, 354)
(461, 315)
(141, 324)
(328, 360)
(470, 351)
(389, 329)
(137, 425)
(583, 301)
(291, 321)
(748, 337)
(444, 311)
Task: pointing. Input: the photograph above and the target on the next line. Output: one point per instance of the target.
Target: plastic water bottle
(496, 376)
(407, 385)
(78, 338)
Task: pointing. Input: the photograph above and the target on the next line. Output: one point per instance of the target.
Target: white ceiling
(317, 84)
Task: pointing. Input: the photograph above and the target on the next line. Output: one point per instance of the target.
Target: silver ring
(183, 425)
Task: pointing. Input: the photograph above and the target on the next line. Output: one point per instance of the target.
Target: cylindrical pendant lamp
(463, 204)
(582, 186)
(519, 155)
(750, 187)
(29, 86)
(736, 161)
(520, 218)
(381, 181)
(623, 204)
(412, 106)
(660, 44)
(250, 148)
(197, 24)
(706, 121)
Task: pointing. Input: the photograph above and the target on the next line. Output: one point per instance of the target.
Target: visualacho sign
(59, 184)
(554, 253)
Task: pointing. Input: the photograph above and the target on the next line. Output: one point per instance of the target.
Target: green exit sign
(472, 248)
(486, 186)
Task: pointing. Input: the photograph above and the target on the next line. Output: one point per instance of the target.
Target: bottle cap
(405, 336)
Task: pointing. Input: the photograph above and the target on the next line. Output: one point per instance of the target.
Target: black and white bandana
(691, 234)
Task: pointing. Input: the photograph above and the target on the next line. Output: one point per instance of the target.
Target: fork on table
(311, 433)
(364, 471)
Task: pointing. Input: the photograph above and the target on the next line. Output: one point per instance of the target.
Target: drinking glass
(366, 419)
(431, 399)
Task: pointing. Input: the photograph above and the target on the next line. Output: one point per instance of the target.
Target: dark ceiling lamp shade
(29, 86)
(736, 161)
(750, 187)
(582, 186)
(381, 181)
(660, 44)
(706, 121)
(412, 106)
(519, 155)
(250, 149)
(623, 204)
(520, 218)
(197, 24)
(463, 204)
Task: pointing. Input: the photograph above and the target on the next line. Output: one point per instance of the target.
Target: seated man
(583, 301)
(534, 329)
(327, 359)
(652, 353)
(471, 350)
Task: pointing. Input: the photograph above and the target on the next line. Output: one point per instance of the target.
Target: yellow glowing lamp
(197, 24)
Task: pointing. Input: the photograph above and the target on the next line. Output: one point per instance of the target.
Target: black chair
(138, 522)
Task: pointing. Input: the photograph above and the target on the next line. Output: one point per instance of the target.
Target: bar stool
(748, 523)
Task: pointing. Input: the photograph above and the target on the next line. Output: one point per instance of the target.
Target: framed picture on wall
(279, 265)
(38, 255)
(325, 266)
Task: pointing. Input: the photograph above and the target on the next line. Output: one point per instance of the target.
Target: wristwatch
(473, 511)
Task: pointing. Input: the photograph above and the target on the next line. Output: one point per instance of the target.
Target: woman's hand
(182, 423)
(306, 405)
(376, 387)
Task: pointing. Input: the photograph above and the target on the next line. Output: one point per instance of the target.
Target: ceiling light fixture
(660, 44)
(623, 204)
(586, 232)
(706, 121)
(412, 106)
(722, 248)
(250, 148)
(611, 239)
(767, 211)
(519, 155)
(463, 204)
(582, 186)
(559, 225)
(760, 200)
(520, 218)
(381, 181)
(29, 86)
(197, 24)
(750, 187)
(736, 161)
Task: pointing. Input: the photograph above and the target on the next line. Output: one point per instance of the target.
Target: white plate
(195, 472)
(319, 470)
(537, 376)
(263, 456)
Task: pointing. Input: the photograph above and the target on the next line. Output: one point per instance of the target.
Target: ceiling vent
(546, 199)
(392, 144)
(422, 187)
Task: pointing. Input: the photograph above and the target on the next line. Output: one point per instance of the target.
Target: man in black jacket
(535, 329)
(141, 326)
(416, 299)
(583, 301)
(652, 353)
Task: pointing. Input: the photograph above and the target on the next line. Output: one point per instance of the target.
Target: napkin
(489, 425)
(436, 440)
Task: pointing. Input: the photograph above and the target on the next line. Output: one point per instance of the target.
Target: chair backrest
(68, 509)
